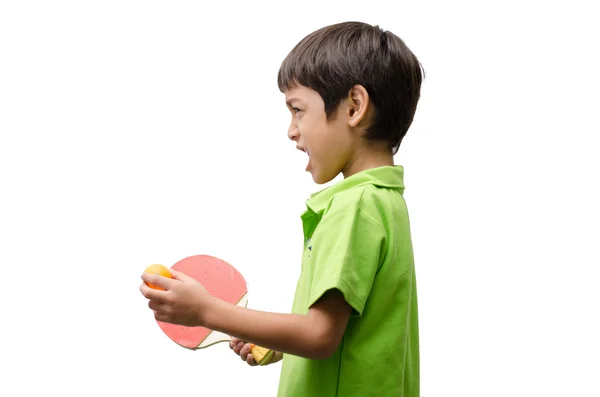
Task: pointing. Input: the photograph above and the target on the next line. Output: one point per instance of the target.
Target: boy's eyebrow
(289, 101)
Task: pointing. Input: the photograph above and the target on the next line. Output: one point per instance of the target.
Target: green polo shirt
(357, 240)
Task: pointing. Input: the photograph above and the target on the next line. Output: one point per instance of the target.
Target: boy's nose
(293, 133)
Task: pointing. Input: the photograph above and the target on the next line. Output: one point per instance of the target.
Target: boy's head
(350, 86)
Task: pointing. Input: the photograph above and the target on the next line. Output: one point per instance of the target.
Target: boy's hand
(184, 301)
(242, 348)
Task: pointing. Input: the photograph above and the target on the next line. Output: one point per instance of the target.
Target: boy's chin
(319, 178)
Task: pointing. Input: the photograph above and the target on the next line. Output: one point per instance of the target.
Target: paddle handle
(261, 355)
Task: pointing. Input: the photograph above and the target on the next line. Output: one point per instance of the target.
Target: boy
(352, 90)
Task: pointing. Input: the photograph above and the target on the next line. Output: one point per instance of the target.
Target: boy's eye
(296, 110)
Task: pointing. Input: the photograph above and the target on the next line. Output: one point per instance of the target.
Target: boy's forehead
(294, 92)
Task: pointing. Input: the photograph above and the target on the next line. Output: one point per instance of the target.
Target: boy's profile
(352, 90)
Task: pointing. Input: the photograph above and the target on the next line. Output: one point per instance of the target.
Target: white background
(139, 132)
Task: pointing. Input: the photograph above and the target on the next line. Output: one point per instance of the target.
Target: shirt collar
(387, 176)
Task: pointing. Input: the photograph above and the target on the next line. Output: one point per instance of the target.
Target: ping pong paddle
(223, 281)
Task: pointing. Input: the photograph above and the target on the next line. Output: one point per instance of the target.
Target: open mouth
(308, 164)
(307, 152)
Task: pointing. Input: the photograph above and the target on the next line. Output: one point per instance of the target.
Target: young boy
(352, 90)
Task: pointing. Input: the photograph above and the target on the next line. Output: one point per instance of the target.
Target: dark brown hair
(333, 59)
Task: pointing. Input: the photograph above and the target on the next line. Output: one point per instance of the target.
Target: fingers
(157, 306)
(250, 360)
(237, 347)
(153, 294)
(163, 282)
(163, 317)
(177, 275)
(150, 293)
(243, 349)
(246, 355)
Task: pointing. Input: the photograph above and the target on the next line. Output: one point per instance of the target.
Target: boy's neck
(368, 158)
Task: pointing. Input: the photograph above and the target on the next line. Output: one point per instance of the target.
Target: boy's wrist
(207, 313)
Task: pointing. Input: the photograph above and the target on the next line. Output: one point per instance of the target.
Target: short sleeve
(346, 251)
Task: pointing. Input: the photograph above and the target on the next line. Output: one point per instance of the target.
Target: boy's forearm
(286, 333)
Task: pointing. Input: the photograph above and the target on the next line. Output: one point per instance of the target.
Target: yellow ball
(160, 270)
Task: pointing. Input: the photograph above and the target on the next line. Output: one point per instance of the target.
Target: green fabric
(357, 239)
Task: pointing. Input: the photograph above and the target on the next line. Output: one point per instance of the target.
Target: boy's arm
(315, 335)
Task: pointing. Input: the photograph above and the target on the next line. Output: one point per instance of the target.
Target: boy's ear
(358, 106)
